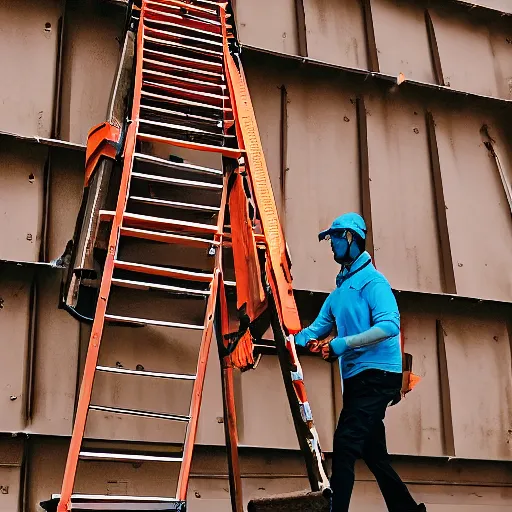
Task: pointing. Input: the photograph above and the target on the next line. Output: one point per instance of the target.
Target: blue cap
(352, 221)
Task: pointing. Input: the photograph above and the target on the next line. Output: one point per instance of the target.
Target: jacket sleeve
(385, 317)
(321, 327)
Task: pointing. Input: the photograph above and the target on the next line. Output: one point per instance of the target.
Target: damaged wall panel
(479, 371)
(21, 200)
(91, 55)
(403, 209)
(402, 40)
(477, 212)
(336, 33)
(268, 24)
(475, 56)
(28, 54)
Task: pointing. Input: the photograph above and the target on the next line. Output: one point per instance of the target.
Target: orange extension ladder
(190, 92)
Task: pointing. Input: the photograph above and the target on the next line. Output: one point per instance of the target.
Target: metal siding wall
(479, 363)
(15, 286)
(336, 33)
(403, 209)
(91, 55)
(21, 200)
(271, 24)
(28, 42)
(402, 40)
(476, 208)
(323, 176)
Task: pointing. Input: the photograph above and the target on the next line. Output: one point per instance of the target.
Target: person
(365, 313)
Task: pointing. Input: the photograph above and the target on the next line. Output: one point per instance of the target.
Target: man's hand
(314, 346)
(328, 353)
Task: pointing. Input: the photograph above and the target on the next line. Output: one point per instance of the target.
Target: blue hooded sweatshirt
(362, 300)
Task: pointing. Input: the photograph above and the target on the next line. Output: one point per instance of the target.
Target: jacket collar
(356, 272)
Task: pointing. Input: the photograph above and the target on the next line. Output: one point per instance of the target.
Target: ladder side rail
(106, 281)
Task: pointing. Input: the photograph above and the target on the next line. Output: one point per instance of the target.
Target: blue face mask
(344, 247)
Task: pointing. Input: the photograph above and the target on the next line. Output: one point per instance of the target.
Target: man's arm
(321, 327)
(384, 316)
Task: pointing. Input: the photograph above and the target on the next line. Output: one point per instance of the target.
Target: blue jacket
(362, 299)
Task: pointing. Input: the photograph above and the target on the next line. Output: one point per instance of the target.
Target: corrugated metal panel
(91, 55)
(479, 362)
(402, 41)
(403, 209)
(28, 42)
(476, 207)
(21, 200)
(268, 24)
(471, 58)
(336, 33)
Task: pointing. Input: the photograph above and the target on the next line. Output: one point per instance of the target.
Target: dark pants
(361, 434)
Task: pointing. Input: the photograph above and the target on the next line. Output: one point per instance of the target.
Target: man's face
(340, 245)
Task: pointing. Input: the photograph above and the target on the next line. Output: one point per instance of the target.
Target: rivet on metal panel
(119, 364)
(346, 119)
(416, 130)
(197, 495)
(31, 178)
(460, 264)
(47, 27)
(12, 398)
(1, 303)
(220, 419)
(4, 489)
(29, 237)
(495, 338)
(139, 368)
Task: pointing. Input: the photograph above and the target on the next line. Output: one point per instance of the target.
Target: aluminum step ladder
(188, 93)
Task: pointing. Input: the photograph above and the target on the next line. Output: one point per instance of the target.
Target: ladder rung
(177, 181)
(182, 36)
(176, 204)
(173, 273)
(142, 414)
(109, 497)
(227, 152)
(188, 129)
(138, 285)
(127, 457)
(183, 80)
(176, 4)
(190, 60)
(176, 165)
(145, 321)
(190, 92)
(144, 373)
(183, 47)
(168, 238)
(180, 26)
(185, 117)
(147, 221)
(182, 101)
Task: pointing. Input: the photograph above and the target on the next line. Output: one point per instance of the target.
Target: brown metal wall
(411, 157)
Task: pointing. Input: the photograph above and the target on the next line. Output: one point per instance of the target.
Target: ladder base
(119, 505)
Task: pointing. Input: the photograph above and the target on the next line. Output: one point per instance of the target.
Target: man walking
(364, 311)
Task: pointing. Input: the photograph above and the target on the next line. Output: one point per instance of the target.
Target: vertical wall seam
(364, 173)
(301, 27)
(444, 388)
(449, 284)
(434, 49)
(371, 44)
